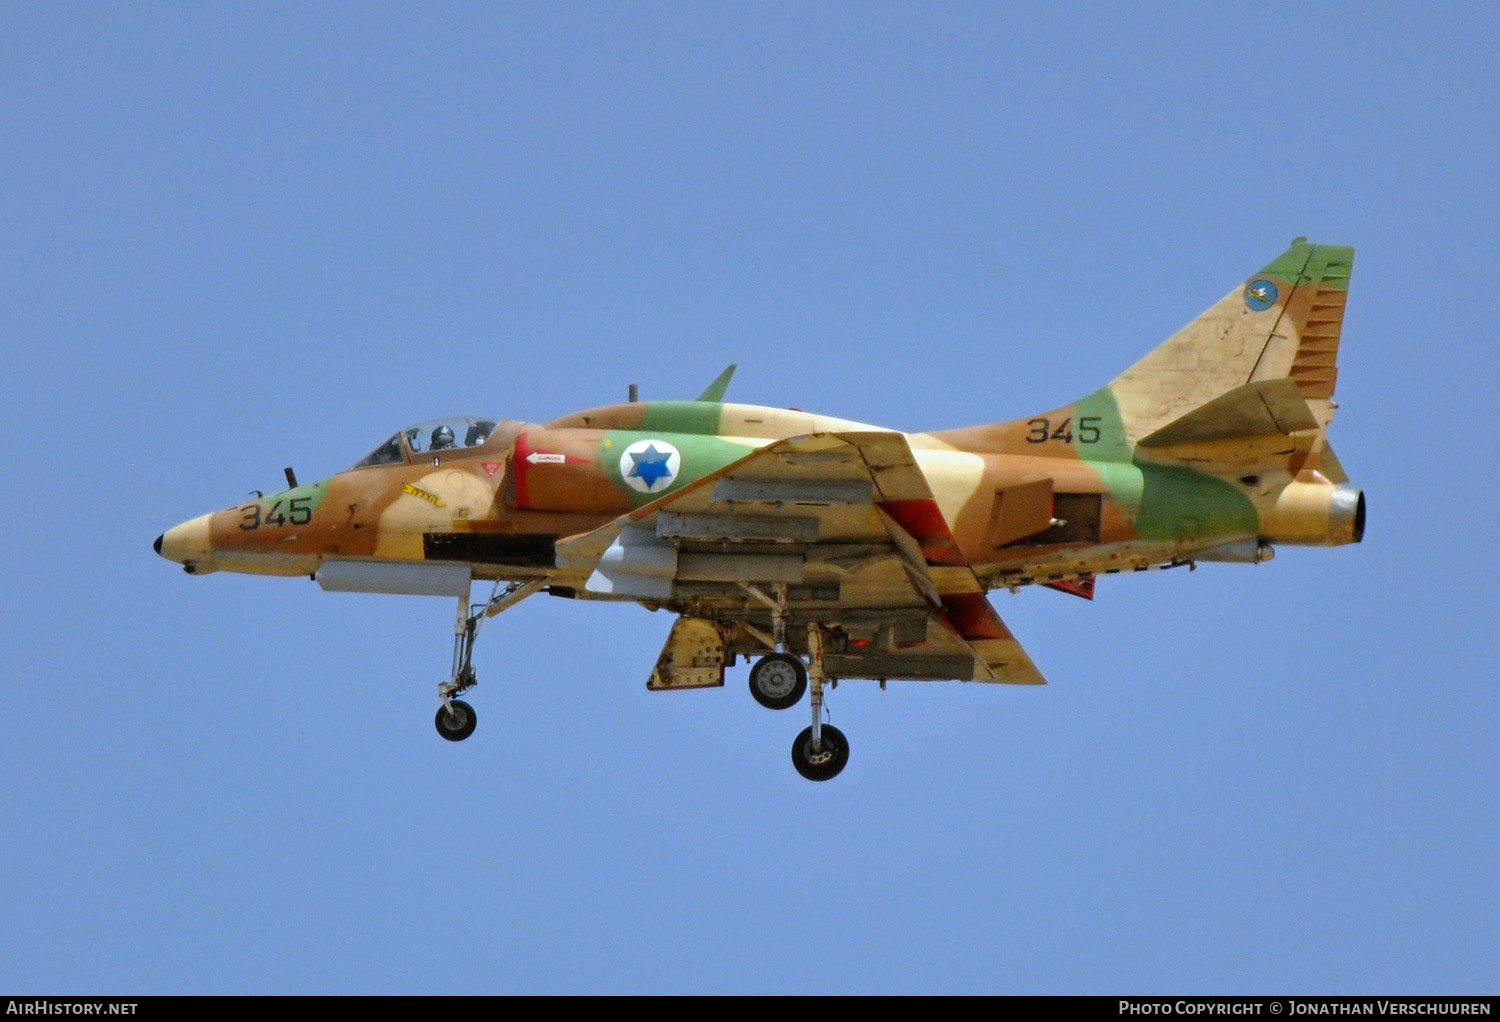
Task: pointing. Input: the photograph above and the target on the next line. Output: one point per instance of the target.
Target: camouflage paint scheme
(1212, 447)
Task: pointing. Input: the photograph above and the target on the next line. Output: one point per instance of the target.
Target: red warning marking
(925, 522)
(1083, 586)
(491, 467)
(971, 616)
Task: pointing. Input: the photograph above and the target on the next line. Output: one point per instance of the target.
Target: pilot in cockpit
(442, 439)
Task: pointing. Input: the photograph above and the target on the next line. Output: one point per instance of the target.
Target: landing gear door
(693, 657)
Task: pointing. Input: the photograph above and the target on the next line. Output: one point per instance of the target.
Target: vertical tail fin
(1259, 364)
(1282, 323)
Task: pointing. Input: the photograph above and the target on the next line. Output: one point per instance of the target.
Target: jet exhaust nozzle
(1316, 514)
(1349, 511)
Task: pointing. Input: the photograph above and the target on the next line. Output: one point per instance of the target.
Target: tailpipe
(1316, 514)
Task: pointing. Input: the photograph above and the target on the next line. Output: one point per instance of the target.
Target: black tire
(777, 680)
(820, 764)
(458, 724)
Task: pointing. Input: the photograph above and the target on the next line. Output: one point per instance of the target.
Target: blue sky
(238, 237)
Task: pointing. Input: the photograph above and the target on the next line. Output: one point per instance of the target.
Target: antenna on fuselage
(635, 393)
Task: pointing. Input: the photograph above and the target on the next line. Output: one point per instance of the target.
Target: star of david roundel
(650, 466)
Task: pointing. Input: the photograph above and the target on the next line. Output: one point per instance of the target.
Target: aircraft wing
(848, 525)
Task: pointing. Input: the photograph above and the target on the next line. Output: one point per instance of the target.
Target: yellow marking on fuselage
(417, 491)
(444, 493)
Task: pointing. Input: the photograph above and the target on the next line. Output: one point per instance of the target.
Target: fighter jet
(826, 550)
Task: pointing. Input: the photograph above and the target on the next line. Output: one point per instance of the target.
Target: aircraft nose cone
(188, 544)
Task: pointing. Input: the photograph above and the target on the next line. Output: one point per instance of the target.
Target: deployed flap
(974, 623)
(940, 651)
(1264, 408)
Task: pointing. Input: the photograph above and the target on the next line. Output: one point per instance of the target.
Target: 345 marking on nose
(298, 512)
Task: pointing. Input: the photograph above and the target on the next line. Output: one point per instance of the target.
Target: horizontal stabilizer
(1264, 408)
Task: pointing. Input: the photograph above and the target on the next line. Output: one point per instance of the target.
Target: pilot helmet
(442, 438)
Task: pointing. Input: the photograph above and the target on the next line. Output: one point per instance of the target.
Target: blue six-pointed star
(650, 465)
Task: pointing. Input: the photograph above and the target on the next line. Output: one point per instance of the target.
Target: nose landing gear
(455, 718)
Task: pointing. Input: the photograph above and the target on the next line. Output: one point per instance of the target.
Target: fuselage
(1022, 504)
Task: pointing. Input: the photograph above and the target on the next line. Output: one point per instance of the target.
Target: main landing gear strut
(777, 682)
(455, 718)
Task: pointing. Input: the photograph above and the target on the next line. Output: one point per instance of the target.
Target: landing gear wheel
(777, 680)
(822, 763)
(458, 724)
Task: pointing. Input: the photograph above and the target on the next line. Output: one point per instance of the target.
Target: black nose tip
(157, 545)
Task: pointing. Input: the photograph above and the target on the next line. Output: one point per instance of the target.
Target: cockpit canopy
(452, 434)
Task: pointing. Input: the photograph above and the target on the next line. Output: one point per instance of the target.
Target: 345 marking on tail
(1042, 431)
